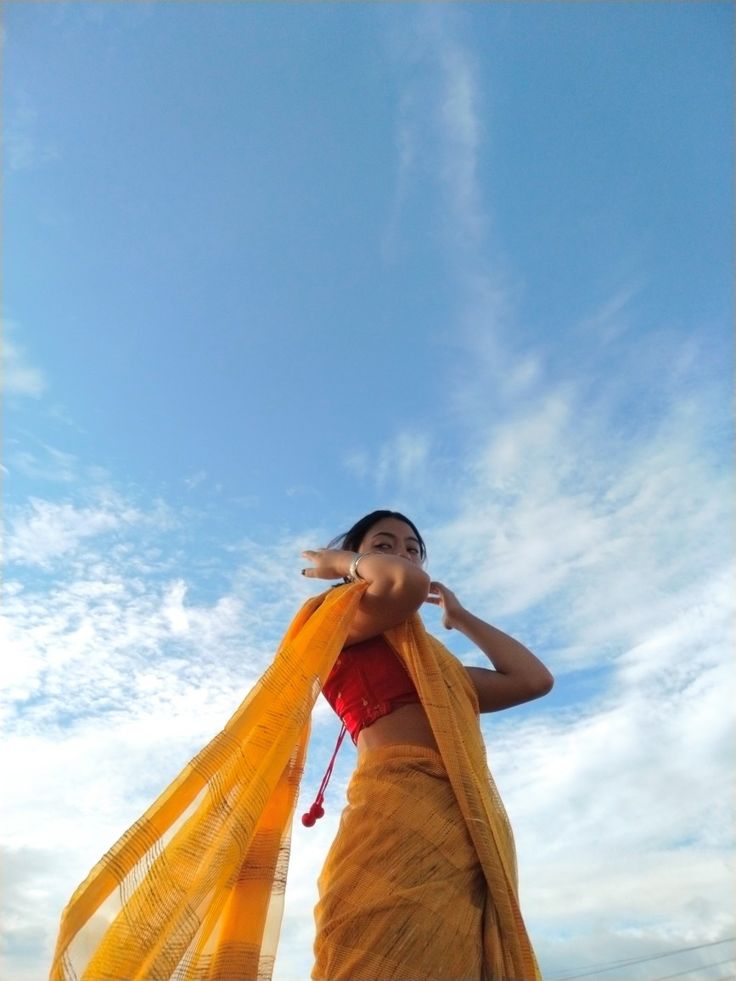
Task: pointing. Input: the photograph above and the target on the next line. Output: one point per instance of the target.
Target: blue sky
(268, 267)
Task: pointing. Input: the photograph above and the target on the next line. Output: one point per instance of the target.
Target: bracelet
(354, 575)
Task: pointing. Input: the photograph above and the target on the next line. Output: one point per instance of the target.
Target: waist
(404, 725)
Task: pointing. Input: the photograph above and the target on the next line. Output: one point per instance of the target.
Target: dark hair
(352, 538)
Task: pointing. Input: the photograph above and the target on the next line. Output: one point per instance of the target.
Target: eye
(382, 545)
(413, 550)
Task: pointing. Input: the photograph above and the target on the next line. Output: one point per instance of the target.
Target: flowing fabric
(193, 891)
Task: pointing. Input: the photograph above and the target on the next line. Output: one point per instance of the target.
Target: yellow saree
(193, 891)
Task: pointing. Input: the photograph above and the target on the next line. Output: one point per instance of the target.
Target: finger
(308, 573)
(434, 600)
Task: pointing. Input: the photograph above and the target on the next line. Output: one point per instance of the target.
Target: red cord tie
(317, 811)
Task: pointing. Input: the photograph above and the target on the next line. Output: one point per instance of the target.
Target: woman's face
(393, 537)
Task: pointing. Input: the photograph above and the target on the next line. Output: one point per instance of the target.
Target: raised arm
(519, 675)
(396, 587)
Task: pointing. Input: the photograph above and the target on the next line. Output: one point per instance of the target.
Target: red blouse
(367, 682)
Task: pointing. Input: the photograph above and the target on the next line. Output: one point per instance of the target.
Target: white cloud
(173, 608)
(195, 479)
(43, 463)
(18, 376)
(461, 130)
(613, 319)
(438, 130)
(358, 463)
(303, 490)
(402, 461)
(43, 531)
(406, 152)
(402, 469)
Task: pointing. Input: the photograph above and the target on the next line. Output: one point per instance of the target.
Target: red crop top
(367, 682)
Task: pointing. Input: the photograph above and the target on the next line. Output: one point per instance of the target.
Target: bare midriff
(406, 725)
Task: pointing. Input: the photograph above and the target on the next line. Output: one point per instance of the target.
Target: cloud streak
(25, 148)
(20, 378)
(438, 130)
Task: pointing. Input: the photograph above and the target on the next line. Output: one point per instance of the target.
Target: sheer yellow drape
(193, 891)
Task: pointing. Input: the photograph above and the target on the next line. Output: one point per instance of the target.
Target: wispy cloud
(195, 479)
(43, 531)
(302, 490)
(42, 462)
(405, 139)
(25, 146)
(460, 143)
(403, 461)
(19, 377)
(612, 320)
(438, 130)
(403, 470)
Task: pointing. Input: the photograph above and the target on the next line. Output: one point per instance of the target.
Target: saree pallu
(193, 891)
(402, 893)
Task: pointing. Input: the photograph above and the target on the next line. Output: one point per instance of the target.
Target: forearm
(386, 574)
(396, 588)
(507, 655)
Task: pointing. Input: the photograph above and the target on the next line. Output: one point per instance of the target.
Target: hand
(328, 563)
(452, 608)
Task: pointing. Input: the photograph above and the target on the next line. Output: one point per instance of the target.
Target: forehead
(392, 526)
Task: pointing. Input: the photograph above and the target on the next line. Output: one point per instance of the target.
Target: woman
(406, 891)
(420, 884)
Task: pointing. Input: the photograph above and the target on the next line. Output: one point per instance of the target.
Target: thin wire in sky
(692, 970)
(611, 965)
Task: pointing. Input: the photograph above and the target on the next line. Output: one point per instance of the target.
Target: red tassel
(317, 811)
